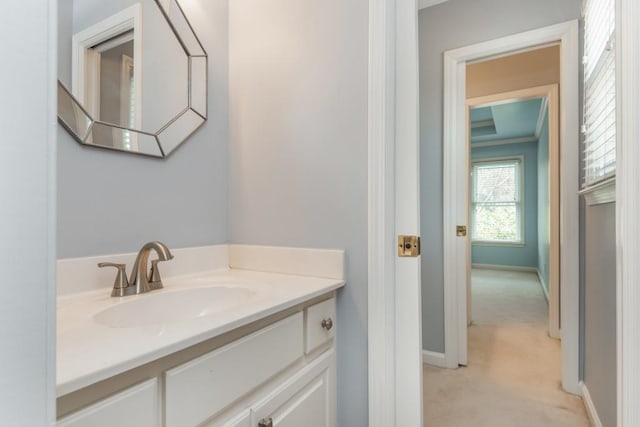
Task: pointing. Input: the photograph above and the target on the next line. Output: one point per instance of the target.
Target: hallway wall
(453, 24)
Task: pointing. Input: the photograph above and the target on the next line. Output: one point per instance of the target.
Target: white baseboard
(542, 285)
(504, 268)
(591, 408)
(434, 359)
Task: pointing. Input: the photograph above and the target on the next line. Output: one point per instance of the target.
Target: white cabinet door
(134, 407)
(243, 419)
(307, 399)
(201, 388)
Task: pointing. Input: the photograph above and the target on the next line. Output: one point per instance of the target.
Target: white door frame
(550, 106)
(394, 310)
(628, 211)
(455, 185)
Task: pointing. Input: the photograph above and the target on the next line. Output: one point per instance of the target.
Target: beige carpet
(514, 371)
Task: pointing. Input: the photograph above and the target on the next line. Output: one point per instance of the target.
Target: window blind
(599, 125)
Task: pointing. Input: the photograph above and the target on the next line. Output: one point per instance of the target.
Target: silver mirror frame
(175, 132)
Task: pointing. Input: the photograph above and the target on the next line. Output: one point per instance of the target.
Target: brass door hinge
(408, 246)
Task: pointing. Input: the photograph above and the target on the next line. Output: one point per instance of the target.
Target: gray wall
(600, 310)
(450, 25)
(525, 255)
(27, 316)
(544, 203)
(298, 151)
(114, 202)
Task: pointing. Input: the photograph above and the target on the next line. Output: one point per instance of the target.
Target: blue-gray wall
(112, 202)
(450, 25)
(514, 255)
(544, 200)
(600, 310)
(298, 152)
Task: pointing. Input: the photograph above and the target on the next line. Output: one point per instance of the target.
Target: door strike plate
(461, 230)
(408, 246)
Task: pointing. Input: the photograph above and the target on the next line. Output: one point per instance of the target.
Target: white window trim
(521, 191)
(601, 192)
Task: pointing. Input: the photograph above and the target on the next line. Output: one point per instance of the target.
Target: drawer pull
(265, 422)
(327, 324)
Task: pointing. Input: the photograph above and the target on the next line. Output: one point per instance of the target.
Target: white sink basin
(172, 306)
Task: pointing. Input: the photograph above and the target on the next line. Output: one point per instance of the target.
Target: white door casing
(628, 211)
(455, 185)
(394, 318)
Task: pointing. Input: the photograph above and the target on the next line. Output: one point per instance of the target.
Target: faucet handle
(121, 282)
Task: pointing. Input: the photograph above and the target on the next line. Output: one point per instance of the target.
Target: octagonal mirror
(133, 75)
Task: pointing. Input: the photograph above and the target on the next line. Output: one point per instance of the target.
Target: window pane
(496, 183)
(497, 223)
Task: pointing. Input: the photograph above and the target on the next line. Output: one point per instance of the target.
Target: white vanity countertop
(88, 351)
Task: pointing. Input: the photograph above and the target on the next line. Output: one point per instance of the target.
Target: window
(599, 126)
(496, 201)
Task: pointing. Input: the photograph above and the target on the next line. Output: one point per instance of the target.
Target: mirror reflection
(132, 75)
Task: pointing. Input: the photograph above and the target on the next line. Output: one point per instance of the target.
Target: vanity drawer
(134, 407)
(197, 390)
(319, 324)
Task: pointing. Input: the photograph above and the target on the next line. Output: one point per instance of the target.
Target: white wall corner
(433, 358)
(589, 405)
(423, 4)
(326, 263)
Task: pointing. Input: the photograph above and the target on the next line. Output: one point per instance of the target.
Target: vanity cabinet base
(268, 376)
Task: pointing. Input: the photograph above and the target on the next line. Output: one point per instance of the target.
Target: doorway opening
(514, 206)
(457, 262)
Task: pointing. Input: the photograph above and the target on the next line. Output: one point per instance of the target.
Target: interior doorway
(514, 187)
(456, 188)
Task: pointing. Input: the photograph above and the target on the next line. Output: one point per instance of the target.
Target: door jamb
(395, 341)
(454, 183)
(627, 211)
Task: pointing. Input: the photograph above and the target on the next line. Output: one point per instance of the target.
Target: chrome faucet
(142, 278)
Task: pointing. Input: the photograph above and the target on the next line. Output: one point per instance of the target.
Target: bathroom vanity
(228, 347)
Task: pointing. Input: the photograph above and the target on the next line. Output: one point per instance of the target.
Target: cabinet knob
(265, 422)
(327, 324)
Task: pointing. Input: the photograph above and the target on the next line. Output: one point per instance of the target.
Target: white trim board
(433, 358)
(455, 186)
(602, 192)
(628, 211)
(394, 312)
(592, 413)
